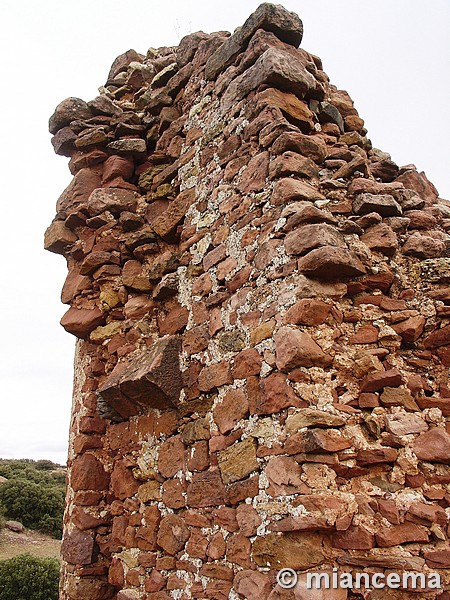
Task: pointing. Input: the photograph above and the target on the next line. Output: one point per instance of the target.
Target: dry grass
(32, 542)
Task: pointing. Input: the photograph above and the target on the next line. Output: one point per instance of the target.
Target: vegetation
(29, 577)
(33, 494)
(41, 471)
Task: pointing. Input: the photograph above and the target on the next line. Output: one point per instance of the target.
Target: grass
(32, 542)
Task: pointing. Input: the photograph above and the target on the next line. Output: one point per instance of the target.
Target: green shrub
(35, 505)
(40, 471)
(45, 465)
(28, 577)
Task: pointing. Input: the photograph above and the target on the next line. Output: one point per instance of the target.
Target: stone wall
(262, 302)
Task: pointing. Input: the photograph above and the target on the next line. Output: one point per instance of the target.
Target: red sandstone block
(214, 376)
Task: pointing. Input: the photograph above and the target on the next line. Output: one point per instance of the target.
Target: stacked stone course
(262, 302)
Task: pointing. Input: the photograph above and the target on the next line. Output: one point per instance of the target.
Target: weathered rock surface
(58, 238)
(81, 321)
(433, 446)
(291, 550)
(151, 379)
(331, 263)
(67, 111)
(238, 461)
(275, 67)
(78, 547)
(296, 349)
(261, 301)
(382, 204)
(304, 239)
(270, 17)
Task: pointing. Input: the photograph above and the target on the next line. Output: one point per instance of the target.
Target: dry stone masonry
(261, 302)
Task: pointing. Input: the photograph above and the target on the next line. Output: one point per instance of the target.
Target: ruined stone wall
(261, 301)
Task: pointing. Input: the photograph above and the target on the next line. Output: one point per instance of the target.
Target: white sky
(392, 56)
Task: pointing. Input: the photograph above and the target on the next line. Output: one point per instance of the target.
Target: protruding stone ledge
(58, 238)
(152, 379)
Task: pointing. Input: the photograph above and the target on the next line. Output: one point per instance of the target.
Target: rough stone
(311, 417)
(129, 147)
(253, 179)
(312, 147)
(306, 238)
(115, 200)
(382, 204)
(231, 410)
(437, 559)
(270, 17)
(134, 277)
(122, 62)
(291, 163)
(67, 111)
(411, 329)
(123, 484)
(88, 473)
(248, 520)
(284, 476)
(354, 538)
(171, 456)
(58, 238)
(292, 108)
(381, 238)
(79, 190)
(214, 376)
(316, 440)
(176, 211)
(366, 334)
(423, 246)
(238, 461)
(376, 456)
(273, 394)
(374, 382)
(405, 424)
(330, 263)
(15, 526)
(288, 190)
(439, 337)
(77, 547)
(297, 349)
(252, 585)
(308, 312)
(152, 378)
(206, 489)
(82, 321)
(64, 142)
(173, 534)
(400, 534)
(88, 587)
(247, 363)
(274, 67)
(433, 446)
(294, 550)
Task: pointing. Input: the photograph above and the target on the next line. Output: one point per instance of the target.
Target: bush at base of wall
(26, 576)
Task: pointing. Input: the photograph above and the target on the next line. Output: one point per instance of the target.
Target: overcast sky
(393, 57)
